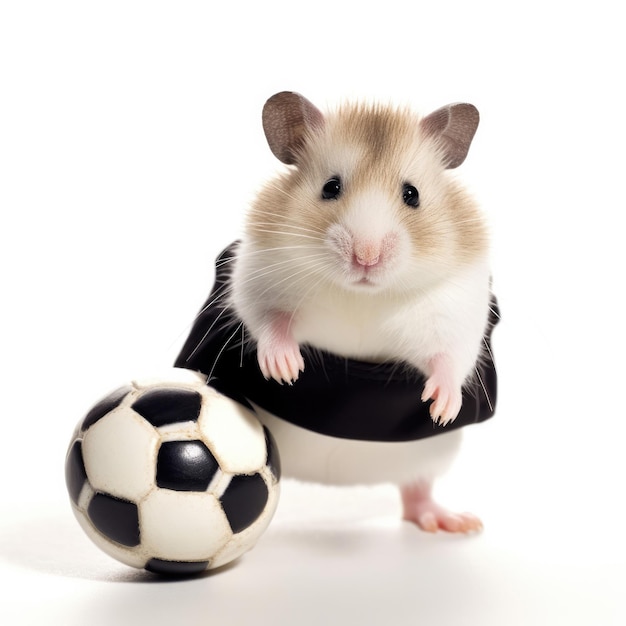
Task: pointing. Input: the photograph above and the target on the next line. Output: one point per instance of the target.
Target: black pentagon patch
(114, 518)
(75, 474)
(99, 410)
(273, 458)
(244, 500)
(185, 466)
(176, 568)
(169, 406)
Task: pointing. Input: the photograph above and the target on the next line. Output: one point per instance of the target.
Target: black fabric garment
(334, 396)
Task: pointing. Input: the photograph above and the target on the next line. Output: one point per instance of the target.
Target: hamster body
(367, 248)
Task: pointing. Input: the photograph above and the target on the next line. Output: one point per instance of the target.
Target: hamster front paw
(278, 353)
(282, 362)
(447, 396)
(446, 402)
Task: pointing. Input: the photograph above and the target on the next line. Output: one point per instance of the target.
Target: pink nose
(367, 261)
(367, 254)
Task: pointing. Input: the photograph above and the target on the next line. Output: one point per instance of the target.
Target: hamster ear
(454, 127)
(287, 116)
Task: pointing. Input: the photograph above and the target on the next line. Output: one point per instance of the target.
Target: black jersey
(334, 396)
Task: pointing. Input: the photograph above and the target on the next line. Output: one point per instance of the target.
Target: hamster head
(368, 204)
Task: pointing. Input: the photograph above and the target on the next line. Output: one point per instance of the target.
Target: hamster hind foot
(420, 508)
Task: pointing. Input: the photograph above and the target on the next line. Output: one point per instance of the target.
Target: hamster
(367, 247)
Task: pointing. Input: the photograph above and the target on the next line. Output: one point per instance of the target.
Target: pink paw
(446, 401)
(422, 510)
(278, 353)
(432, 521)
(443, 390)
(281, 362)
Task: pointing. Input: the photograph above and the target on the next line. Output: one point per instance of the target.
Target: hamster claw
(446, 401)
(283, 366)
(278, 353)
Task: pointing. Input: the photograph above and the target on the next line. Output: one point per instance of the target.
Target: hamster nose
(367, 262)
(367, 254)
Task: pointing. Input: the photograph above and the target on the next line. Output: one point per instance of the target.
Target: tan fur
(378, 145)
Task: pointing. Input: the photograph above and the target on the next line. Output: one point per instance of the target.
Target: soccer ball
(172, 476)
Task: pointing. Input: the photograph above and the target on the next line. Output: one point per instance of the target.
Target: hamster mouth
(364, 282)
(365, 278)
(365, 262)
(360, 276)
(354, 278)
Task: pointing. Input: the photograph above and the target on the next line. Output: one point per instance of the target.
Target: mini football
(172, 476)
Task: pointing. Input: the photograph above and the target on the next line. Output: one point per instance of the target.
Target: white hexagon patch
(119, 452)
(235, 434)
(180, 526)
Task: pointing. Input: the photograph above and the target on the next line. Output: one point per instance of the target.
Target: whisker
(495, 312)
(243, 343)
(221, 292)
(250, 253)
(280, 232)
(206, 334)
(264, 220)
(219, 354)
(263, 271)
(268, 269)
(482, 384)
(305, 270)
(324, 276)
(469, 220)
(283, 223)
(488, 348)
(264, 213)
(283, 191)
(291, 261)
(226, 290)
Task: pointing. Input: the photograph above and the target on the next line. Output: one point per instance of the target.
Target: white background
(130, 146)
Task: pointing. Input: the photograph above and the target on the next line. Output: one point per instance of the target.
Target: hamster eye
(410, 195)
(331, 189)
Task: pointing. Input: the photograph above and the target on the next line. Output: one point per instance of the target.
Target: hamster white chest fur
(367, 248)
